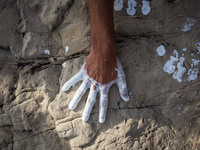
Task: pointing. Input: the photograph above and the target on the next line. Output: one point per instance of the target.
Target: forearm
(102, 27)
(102, 60)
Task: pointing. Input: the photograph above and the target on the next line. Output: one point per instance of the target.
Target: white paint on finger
(79, 94)
(131, 10)
(161, 50)
(121, 82)
(103, 104)
(146, 7)
(123, 90)
(89, 104)
(76, 78)
(118, 5)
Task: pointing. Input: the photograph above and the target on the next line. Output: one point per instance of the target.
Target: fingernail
(64, 89)
(71, 106)
(84, 118)
(101, 120)
(126, 98)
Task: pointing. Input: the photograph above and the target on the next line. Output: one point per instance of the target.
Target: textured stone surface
(162, 113)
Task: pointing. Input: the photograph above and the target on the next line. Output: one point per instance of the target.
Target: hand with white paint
(96, 87)
(102, 68)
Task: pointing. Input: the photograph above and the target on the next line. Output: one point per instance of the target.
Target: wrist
(104, 48)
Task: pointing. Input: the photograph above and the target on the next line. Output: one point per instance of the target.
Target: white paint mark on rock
(175, 52)
(66, 49)
(169, 66)
(188, 24)
(175, 65)
(198, 47)
(131, 7)
(175, 141)
(64, 64)
(161, 50)
(184, 49)
(146, 7)
(195, 62)
(47, 52)
(118, 5)
(193, 72)
(181, 70)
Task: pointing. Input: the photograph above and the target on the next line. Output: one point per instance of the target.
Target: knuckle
(91, 101)
(104, 103)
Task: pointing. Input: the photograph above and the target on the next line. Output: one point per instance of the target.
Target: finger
(79, 94)
(121, 82)
(76, 78)
(103, 104)
(89, 104)
(123, 90)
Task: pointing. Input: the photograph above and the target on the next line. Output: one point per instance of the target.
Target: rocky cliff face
(43, 43)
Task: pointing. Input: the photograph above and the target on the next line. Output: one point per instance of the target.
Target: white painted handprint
(95, 88)
(132, 4)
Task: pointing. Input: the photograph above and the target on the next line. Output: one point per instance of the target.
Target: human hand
(96, 87)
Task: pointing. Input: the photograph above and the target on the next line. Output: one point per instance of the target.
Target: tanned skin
(102, 60)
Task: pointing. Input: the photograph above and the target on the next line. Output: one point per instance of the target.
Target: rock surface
(162, 113)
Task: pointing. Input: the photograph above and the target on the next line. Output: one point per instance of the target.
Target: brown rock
(162, 113)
